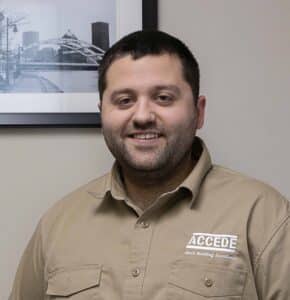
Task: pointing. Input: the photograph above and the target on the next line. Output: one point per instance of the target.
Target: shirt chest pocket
(199, 282)
(74, 283)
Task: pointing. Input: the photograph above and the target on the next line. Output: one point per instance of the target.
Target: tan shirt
(219, 235)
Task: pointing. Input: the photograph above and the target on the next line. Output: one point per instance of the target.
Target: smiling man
(165, 223)
(149, 122)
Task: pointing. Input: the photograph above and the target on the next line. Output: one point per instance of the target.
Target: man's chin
(142, 165)
(143, 162)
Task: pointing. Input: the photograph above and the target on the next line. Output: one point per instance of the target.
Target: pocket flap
(71, 281)
(208, 280)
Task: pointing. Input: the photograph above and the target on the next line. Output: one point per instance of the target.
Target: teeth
(145, 136)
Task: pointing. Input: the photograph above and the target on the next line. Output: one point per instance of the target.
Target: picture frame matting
(149, 20)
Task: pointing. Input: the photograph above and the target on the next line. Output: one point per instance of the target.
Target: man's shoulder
(226, 174)
(83, 198)
(237, 179)
(257, 193)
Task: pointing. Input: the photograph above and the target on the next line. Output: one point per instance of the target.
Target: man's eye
(125, 101)
(164, 98)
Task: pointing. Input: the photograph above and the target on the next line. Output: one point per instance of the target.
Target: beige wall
(243, 48)
(244, 51)
(38, 167)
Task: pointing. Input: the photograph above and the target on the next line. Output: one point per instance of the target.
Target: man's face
(148, 113)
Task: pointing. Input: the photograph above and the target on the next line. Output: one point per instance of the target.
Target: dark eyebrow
(169, 87)
(121, 91)
(155, 89)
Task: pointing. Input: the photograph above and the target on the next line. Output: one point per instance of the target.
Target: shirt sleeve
(29, 280)
(272, 269)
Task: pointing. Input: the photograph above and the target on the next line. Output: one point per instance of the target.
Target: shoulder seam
(257, 261)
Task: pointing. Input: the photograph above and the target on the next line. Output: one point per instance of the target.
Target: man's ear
(200, 107)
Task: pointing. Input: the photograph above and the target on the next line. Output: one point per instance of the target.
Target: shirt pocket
(198, 282)
(74, 283)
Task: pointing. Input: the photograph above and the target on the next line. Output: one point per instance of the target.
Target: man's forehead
(162, 57)
(128, 65)
(147, 73)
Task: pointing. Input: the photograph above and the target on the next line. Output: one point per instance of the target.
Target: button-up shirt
(219, 235)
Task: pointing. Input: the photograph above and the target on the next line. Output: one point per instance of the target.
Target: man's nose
(144, 113)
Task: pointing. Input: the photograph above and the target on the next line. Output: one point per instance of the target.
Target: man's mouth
(145, 140)
(145, 136)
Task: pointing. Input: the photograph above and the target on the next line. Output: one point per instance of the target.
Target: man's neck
(144, 188)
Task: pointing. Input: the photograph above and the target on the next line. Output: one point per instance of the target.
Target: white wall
(243, 48)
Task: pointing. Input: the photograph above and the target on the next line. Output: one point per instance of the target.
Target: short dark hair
(142, 43)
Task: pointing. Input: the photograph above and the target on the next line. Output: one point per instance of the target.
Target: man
(164, 223)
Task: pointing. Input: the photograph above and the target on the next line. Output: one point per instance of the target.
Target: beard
(150, 160)
(155, 163)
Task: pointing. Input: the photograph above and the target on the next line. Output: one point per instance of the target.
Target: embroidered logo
(212, 244)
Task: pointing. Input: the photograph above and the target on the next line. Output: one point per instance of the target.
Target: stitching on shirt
(149, 251)
(44, 286)
(262, 251)
(74, 268)
(244, 288)
(197, 293)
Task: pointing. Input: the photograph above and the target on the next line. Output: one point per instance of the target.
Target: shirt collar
(117, 188)
(203, 165)
(113, 184)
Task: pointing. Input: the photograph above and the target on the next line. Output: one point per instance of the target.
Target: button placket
(135, 272)
(140, 241)
(144, 224)
(208, 282)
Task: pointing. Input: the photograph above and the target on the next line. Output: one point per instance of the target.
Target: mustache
(148, 130)
(138, 127)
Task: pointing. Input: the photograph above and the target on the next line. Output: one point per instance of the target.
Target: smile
(145, 136)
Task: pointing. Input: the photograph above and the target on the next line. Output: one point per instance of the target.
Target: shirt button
(144, 224)
(135, 272)
(208, 282)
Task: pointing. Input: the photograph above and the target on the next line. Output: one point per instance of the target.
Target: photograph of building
(56, 54)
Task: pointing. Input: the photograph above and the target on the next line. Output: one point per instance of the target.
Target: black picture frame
(81, 120)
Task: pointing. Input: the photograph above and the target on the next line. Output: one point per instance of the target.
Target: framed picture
(50, 52)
